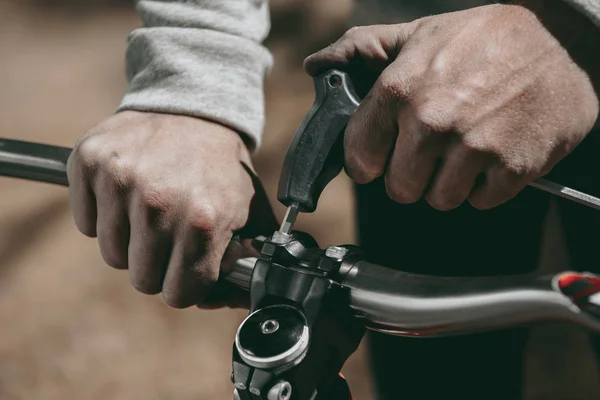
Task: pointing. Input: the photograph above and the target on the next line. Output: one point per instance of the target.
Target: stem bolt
(269, 326)
(281, 391)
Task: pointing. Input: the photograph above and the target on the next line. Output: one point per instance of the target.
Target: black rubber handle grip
(316, 153)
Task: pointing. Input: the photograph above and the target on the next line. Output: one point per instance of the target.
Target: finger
(373, 129)
(413, 161)
(371, 133)
(150, 248)
(225, 294)
(112, 227)
(194, 267)
(237, 249)
(455, 179)
(377, 45)
(498, 187)
(81, 198)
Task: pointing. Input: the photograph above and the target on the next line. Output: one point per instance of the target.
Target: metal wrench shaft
(288, 220)
(541, 184)
(566, 193)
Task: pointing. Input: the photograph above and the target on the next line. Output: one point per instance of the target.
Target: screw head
(269, 326)
(336, 252)
(281, 391)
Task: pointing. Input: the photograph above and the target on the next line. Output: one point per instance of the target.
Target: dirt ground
(73, 328)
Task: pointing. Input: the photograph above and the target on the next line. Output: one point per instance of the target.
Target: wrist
(215, 130)
(246, 141)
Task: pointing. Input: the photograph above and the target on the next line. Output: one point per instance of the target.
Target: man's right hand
(164, 194)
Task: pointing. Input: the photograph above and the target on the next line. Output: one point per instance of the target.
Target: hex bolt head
(336, 253)
(281, 391)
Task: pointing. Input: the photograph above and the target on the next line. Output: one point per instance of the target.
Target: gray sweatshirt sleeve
(591, 8)
(202, 58)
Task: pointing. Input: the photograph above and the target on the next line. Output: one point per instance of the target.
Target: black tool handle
(316, 153)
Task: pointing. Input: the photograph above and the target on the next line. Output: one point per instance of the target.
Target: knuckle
(113, 260)
(175, 299)
(207, 275)
(473, 145)
(393, 87)
(400, 193)
(205, 219)
(480, 203)
(517, 169)
(119, 170)
(431, 117)
(159, 200)
(85, 226)
(200, 279)
(443, 203)
(362, 170)
(145, 286)
(90, 151)
(353, 32)
(479, 145)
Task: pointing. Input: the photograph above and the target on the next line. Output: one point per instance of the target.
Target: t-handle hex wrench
(315, 155)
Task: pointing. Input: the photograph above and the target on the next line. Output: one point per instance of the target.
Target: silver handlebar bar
(404, 304)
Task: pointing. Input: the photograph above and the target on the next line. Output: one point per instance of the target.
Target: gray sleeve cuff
(194, 59)
(591, 8)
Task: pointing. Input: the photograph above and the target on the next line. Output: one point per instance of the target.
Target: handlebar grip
(34, 161)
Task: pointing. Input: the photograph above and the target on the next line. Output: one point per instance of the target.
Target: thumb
(261, 220)
(371, 47)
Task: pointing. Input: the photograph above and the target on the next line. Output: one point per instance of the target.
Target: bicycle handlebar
(34, 161)
(404, 304)
(388, 300)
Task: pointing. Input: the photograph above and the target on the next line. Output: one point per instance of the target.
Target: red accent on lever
(578, 287)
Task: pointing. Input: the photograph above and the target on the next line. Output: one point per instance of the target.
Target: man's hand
(164, 195)
(468, 105)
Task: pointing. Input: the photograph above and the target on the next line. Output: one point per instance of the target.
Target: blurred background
(72, 328)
